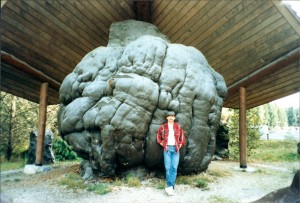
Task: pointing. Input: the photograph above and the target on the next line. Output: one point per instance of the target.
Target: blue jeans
(171, 161)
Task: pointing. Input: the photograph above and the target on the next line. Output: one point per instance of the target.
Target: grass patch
(160, 185)
(217, 199)
(200, 181)
(157, 183)
(20, 163)
(17, 179)
(133, 182)
(100, 189)
(261, 171)
(185, 180)
(275, 151)
(219, 173)
(12, 165)
(203, 179)
(118, 182)
(73, 181)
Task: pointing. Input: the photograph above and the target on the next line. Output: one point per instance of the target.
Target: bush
(62, 150)
(201, 183)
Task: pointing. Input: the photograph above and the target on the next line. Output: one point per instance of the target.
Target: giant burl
(115, 99)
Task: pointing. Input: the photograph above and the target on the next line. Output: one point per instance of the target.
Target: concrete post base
(248, 169)
(32, 169)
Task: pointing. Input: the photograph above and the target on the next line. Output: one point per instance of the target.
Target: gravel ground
(237, 186)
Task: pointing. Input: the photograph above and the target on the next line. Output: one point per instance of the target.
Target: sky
(289, 101)
(295, 4)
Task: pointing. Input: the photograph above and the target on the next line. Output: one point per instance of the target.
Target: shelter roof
(251, 43)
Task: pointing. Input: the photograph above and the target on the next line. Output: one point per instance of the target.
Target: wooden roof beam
(26, 68)
(276, 65)
(142, 9)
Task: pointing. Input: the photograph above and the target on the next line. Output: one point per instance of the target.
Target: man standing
(171, 137)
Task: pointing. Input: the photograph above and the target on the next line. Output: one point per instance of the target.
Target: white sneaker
(170, 191)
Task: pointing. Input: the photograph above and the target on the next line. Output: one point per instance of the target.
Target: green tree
(298, 116)
(264, 114)
(282, 117)
(273, 115)
(291, 116)
(15, 131)
(15, 127)
(253, 123)
(10, 127)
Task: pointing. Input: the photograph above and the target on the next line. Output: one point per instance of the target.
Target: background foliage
(265, 115)
(22, 123)
(253, 123)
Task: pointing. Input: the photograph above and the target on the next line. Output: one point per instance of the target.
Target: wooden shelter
(253, 44)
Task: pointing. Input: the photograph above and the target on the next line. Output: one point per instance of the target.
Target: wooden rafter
(276, 65)
(26, 68)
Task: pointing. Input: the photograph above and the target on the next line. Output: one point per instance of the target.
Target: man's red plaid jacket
(163, 133)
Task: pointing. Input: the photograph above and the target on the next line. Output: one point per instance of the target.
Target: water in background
(281, 134)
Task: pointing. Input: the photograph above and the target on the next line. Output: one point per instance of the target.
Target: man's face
(170, 118)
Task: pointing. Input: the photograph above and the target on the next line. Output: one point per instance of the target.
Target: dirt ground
(238, 186)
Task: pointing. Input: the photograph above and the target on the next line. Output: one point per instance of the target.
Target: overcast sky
(292, 100)
(295, 4)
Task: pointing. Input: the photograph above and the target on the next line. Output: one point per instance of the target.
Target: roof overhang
(254, 44)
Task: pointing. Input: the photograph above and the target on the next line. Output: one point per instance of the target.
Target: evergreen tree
(15, 126)
(282, 117)
(11, 127)
(291, 116)
(253, 123)
(266, 117)
(298, 117)
(273, 115)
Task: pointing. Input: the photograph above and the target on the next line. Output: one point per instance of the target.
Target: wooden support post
(42, 124)
(242, 128)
